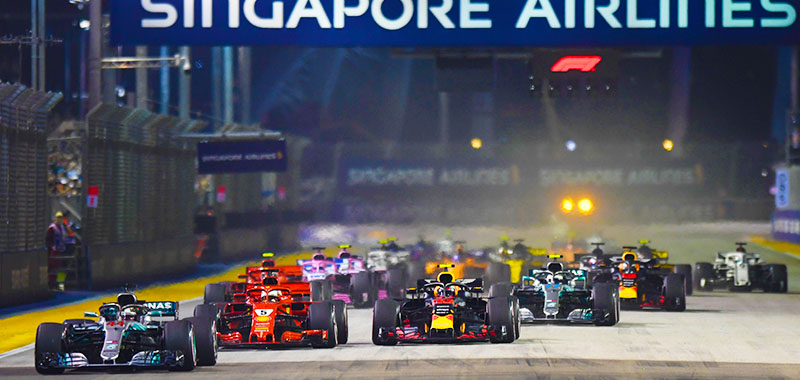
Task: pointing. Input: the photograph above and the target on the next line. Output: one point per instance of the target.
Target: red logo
(583, 63)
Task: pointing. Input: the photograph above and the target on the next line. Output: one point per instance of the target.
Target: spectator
(54, 239)
(69, 235)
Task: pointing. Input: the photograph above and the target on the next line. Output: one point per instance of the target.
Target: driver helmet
(129, 315)
(555, 267)
(438, 291)
(318, 256)
(258, 295)
(452, 291)
(110, 312)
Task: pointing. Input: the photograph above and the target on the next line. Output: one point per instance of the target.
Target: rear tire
(340, 310)
(501, 317)
(384, 315)
(205, 333)
(321, 290)
(214, 293)
(497, 273)
(179, 336)
(674, 292)
(686, 271)
(502, 289)
(605, 297)
(322, 316)
(703, 276)
(778, 278)
(361, 290)
(48, 340)
(395, 283)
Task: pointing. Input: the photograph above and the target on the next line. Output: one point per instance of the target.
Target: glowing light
(668, 145)
(571, 145)
(585, 205)
(567, 205)
(583, 63)
(476, 143)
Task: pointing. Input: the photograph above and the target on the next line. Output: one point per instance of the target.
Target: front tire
(361, 290)
(675, 292)
(179, 336)
(322, 316)
(778, 279)
(384, 315)
(205, 332)
(321, 290)
(48, 340)
(501, 318)
(395, 283)
(341, 321)
(605, 297)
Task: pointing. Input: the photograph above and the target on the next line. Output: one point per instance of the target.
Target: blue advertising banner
(409, 23)
(786, 225)
(241, 156)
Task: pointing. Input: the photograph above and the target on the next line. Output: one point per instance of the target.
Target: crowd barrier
(113, 265)
(23, 277)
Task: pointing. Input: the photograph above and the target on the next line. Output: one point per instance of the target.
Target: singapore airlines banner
(406, 23)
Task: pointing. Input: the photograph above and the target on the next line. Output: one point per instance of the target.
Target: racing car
(741, 271)
(388, 263)
(445, 310)
(558, 294)
(346, 276)
(128, 333)
(643, 283)
(269, 315)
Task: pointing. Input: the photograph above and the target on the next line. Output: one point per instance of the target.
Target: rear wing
(162, 311)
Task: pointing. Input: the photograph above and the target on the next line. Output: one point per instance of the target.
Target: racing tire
(340, 309)
(605, 297)
(322, 316)
(702, 276)
(361, 285)
(517, 320)
(501, 317)
(415, 271)
(778, 279)
(686, 271)
(179, 336)
(675, 292)
(395, 283)
(321, 290)
(497, 273)
(206, 311)
(502, 289)
(205, 334)
(214, 293)
(48, 339)
(384, 315)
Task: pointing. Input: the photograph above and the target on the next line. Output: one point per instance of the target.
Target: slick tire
(778, 279)
(48, 340)
(205, 333)
(501, 317)
(675, 292)
(322, 316)
(395, 283)
(206, 311)
(321, 291)
(384, 315)
(340, 310)
(501, 289)
(605, 297)
(179, 336)
(686, 271)
(497, 273)
(361, 289)
(214, 293)
(702, 276)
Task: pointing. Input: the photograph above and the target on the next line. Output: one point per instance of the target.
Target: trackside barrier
(25, 120)
(142, 226)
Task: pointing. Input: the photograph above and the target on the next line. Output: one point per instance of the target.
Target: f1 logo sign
(583, 63)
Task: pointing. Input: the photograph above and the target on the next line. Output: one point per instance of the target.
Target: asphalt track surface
(721, 335)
